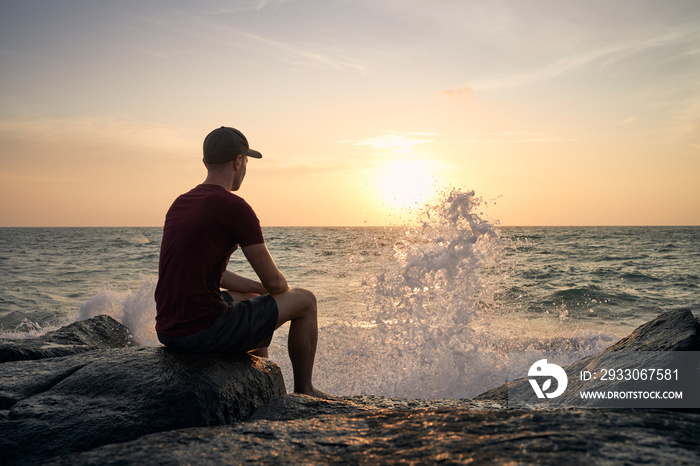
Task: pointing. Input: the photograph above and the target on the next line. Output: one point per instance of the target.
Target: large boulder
(676, 330)
(56, 406)
(88, 335)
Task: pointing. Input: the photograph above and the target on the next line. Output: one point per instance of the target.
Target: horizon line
(375, 226)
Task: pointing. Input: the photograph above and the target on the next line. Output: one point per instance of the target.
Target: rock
(100, 332)
(676, 330)
(423, 437)
(296, 406)
(88, 335)
(123, 400)
(56, 406)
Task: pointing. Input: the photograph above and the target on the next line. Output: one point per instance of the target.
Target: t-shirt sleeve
(246, 225)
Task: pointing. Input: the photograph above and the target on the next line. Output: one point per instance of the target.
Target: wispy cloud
(252, 5)
(263, 3)
(212, 29)
(516, 137)
(463, 91)
(626, 121)
(602, 58)
(83, 138)
(395, 141)
(302, 55)
(684, 125)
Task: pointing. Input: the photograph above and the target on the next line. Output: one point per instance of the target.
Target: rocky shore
(84, 395)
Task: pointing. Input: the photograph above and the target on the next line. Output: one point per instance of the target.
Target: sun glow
(405, 183)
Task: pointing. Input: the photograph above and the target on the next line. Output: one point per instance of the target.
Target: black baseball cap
(225, 144)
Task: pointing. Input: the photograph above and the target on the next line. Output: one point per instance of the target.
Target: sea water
(427, 309)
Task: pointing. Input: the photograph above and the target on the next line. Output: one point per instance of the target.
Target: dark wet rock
(296, 406)
(56, 406)
(676, 330)
(98, 333)
(147, 422)
(579, 437)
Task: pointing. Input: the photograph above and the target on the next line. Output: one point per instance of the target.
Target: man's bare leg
(261, 352)
(299, 307)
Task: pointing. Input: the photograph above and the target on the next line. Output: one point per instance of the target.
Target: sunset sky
(555, 112)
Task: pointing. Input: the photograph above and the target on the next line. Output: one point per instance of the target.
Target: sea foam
(433, 328)
(432, 324)
(135, 309)
(417, 339)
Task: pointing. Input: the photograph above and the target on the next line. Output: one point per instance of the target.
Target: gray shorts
(246, 325)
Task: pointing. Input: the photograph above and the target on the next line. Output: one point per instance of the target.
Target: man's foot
(317, 394)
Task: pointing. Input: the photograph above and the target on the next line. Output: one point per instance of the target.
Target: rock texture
(88, 335)
(444, 436)
(55, 406)
(675, 330)
(147, 406)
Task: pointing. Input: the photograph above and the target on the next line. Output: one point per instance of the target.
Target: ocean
(427, 309)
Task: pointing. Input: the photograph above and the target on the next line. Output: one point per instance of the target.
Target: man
(203, 227)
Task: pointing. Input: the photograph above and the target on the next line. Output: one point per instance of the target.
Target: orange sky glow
(554, 112)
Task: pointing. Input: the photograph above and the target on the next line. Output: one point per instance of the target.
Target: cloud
(601, 57)
(464, 91)
(306, 56)
(215, 29)
(247, 6)
(626, 121)
(396, 141)
(516, 137)
(684, 124)
(97, 140)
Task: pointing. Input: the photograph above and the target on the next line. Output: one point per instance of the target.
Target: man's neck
(223, 179)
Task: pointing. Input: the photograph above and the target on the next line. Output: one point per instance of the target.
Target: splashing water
(135, 309)
(419, 341)
(138, 239)
(436, 321)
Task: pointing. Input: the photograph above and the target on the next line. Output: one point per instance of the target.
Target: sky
(555, 112)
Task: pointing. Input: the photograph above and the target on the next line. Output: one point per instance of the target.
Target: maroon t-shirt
(202, 229)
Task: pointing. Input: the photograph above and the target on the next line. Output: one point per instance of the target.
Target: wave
(628, 259)
(440, 316)
(135, 309)
(639, 277)
(138, 239)
(433, 326)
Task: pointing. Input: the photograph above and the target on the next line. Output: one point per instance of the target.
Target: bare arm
(272, 279)
(235, 282)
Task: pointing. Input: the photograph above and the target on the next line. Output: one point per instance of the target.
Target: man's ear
(237, 162)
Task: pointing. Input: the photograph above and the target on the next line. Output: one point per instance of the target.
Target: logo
(542, 369)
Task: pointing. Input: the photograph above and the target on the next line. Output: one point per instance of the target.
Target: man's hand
(260, 259)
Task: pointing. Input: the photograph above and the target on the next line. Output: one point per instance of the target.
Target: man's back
(202, 229)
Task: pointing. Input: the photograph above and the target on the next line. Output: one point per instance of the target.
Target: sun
(405, 183)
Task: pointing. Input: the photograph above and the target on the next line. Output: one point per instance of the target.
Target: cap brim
(253, 153)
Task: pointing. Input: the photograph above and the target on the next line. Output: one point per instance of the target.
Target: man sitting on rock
(202, 229)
